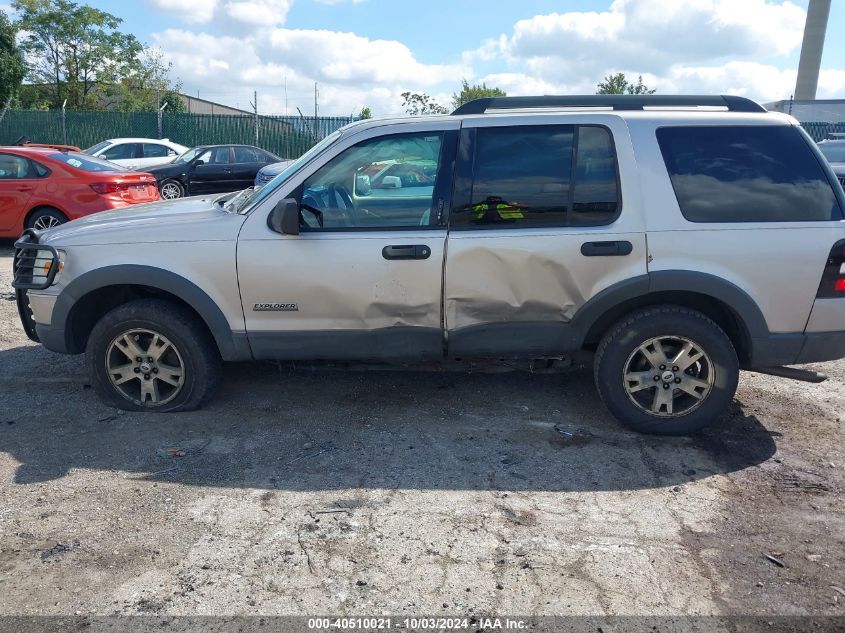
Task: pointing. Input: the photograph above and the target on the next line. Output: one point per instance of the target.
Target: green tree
(617, 84)
(146, 88)
(366, 113)
(74, 49)
(418, 103)
(475, 91)
(12, 68)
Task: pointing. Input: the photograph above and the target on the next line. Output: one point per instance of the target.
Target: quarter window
(382, 183)
(746, 174)
(246, 155)
(536, 176)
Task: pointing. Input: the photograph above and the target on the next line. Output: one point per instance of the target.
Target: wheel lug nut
(155, 371)
(677, 381)
(656, 378)
(674, 369)
(149, 359)
(138, 359)
(665, 385)
(146, 376)
(662, 367)
(137, 370)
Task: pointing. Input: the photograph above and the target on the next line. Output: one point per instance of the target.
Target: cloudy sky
(367, 52)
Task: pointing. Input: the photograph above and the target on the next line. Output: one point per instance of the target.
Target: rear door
(247, 162)
(124, 154)
(17, 183)
(155, 154)
(545, 216)
(352, 284)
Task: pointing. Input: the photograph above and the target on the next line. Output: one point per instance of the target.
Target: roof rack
(616, 102)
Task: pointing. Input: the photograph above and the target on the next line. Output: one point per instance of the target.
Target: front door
(536, 230)
(212, 172)
(17, 182)
(363, 279)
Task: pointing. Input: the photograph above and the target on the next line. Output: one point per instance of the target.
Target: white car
(137, 153)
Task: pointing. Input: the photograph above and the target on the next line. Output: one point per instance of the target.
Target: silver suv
(679, 238)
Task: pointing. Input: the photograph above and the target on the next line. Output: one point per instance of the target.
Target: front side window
(746, 174)
(15, 168)
(536, 176)
(386, 182)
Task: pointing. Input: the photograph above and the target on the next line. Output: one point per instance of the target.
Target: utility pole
(254, 105)
(810, 62)
(160, 115)
(64, 122)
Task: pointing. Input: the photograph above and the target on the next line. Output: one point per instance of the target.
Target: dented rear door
(545, 216)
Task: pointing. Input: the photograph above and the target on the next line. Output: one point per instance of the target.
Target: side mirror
(199, 162)
(363, 187)
(284, 218)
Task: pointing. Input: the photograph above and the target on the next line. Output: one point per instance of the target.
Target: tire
(45, 218)
(171, 190)
(677, 402)
(185, 368)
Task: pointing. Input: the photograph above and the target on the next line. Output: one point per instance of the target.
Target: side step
(792, 373)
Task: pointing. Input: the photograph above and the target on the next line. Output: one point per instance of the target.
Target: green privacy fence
(288, 137)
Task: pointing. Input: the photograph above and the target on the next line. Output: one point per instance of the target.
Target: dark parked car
(211, 169)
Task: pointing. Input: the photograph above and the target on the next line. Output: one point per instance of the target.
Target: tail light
(833, 277)
(117, 187)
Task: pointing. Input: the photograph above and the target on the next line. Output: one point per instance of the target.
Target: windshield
(96, 148)
(833, 152)
(85, 163)
(243, 204)
(188, 156)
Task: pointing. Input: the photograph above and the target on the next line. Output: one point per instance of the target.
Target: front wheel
(666, 370)
(152, 355)
(172, 189)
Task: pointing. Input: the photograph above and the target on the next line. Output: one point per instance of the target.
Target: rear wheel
(45, 218)
(152, 355)
(172, 189)
(666, 370)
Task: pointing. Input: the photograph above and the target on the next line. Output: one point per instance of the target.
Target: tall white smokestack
(811, 50)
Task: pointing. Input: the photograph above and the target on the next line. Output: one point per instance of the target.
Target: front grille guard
(35, 265)
(28, 255)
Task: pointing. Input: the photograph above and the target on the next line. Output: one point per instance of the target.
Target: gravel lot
(414, 492)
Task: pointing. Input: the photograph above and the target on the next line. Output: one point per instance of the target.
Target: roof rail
(616, 102)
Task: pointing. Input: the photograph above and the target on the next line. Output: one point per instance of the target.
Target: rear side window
(85, 163)
(536, 176)
(746, 174)
(154, 150)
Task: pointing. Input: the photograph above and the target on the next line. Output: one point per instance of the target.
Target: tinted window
(247, 155)
(153, 150)
(85, 163)
(387, 182)
(96, 148)
(15, 168)
(120, 152)
(537, 176)
(746, 174)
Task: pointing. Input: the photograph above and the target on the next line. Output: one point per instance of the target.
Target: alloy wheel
(170, 191)
(668, 376)
(43, 222)
(145, 367)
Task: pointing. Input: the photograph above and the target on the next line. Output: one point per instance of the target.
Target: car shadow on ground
(276, 426)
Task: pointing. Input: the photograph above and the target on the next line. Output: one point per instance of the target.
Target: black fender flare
(232, 345)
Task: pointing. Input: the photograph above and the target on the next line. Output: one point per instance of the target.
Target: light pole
(811, 50)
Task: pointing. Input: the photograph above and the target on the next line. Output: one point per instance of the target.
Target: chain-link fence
(288, 137)
(285, 136)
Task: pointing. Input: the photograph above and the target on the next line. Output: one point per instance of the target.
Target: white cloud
(192, 11)
(259, 12)
(650, 35)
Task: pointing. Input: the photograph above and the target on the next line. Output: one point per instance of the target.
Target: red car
(42, 188)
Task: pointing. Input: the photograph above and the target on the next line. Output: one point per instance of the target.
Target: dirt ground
(419, 493)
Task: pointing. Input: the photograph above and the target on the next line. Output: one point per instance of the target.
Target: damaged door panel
(536, 230)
